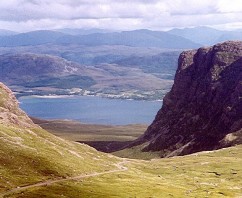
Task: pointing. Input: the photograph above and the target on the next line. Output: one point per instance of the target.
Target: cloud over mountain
(155, 14)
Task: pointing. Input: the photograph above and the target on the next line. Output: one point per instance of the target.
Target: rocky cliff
(203, 110)
(10, 113)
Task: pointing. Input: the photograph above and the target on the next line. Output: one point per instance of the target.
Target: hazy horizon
(114, 30)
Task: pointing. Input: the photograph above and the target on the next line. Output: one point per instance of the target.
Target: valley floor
(106, 138)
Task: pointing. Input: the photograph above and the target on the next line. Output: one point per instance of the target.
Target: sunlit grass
(206, 174)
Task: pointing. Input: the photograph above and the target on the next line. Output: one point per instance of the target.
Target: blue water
(94, 109)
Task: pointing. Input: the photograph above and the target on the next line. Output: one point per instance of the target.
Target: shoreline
(55, 96)
(72, 121)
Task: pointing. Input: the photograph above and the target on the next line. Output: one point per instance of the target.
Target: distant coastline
(54, 96)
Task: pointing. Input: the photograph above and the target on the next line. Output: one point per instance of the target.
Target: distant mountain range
(30, 38)
(186, 38)
(206, 35)
(7, 32)
(77, 31)
(137, 38)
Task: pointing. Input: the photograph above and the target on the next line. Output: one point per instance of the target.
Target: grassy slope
(33, 155)
(208, 174)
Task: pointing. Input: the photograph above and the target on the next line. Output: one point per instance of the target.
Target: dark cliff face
(204, 105)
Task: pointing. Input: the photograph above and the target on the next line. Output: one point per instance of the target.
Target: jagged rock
(10, 113)
(204, 104)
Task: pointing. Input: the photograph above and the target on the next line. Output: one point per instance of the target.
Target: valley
(45, 165)
(197, 131)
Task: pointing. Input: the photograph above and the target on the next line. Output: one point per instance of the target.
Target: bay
(91, 109)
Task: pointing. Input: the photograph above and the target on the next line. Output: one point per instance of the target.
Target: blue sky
(26, 15)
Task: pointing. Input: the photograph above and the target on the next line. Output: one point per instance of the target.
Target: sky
(29, 15)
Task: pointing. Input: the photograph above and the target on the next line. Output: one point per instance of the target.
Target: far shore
(74, 95)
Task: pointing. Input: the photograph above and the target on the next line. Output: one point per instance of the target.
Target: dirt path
(119, 165)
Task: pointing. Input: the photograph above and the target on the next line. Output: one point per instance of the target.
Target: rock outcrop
(203, 110)
(10, 113)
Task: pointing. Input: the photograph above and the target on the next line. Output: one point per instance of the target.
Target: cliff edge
(203, 110)
(10, 113)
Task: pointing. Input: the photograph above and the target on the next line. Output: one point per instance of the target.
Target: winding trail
(119, 165)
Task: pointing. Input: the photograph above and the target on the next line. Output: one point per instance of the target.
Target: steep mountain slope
(204, 105)
(29, 154)
(9, 110)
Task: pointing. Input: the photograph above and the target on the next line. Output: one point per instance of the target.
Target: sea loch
(94, 110)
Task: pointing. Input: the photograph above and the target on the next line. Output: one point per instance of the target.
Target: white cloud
(229, 6)
(117, 14)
